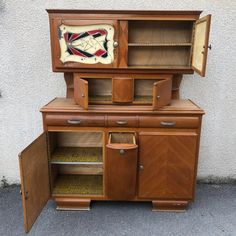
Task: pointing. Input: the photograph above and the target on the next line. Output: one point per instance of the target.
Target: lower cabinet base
(72, 204)
(168, 205)
(75, 204)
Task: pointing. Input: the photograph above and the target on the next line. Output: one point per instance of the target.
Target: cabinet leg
(176, 206)
(72, 204)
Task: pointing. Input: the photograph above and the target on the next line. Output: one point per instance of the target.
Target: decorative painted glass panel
(87, 44)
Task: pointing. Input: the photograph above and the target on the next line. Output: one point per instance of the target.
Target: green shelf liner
(77, 154)
(79, 184)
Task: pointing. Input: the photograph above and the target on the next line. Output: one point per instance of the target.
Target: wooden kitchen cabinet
(173, 41)
(122, 132)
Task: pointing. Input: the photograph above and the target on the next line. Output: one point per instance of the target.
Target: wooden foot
(175, 206)
(73, 204)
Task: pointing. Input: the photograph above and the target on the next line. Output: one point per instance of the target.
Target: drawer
(122, 158)
(122, 121)
(75, 120)
(168, 122)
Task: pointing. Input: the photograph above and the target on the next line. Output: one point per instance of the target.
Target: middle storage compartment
(122, 157)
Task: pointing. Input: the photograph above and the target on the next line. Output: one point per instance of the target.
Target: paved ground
(214, 213)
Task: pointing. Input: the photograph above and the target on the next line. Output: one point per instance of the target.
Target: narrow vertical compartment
(76, 161)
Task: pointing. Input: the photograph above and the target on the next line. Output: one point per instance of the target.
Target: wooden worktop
(68, 105)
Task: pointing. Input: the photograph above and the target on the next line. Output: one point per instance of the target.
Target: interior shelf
(79, 184)
(142, 99)
(77, 154)
(159, 44)
(100, 98)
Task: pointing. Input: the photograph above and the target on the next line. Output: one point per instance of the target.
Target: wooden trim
(202, 71)
(150, 12)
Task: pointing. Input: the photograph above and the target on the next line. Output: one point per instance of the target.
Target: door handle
(168, 123)
(115, 44)
(74, 122)
(121, 122)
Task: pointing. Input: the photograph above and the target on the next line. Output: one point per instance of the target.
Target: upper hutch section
(151, 41)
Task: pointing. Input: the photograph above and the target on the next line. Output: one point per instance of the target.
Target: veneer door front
(167, 164)
(34, 175)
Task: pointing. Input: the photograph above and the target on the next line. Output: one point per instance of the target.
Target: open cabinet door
(161, 93)
(200, 44)
(34, 174)
(81, 91)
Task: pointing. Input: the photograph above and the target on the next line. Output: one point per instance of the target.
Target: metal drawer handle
(74, 122)
(168, 123)
(121, 122)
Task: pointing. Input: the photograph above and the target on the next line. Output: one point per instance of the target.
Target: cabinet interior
(76, 161)
(143, 91)
(122, 138)
(99, 90)
(159, 43)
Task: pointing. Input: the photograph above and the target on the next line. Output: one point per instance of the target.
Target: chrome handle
(74, 122)
(82, 95)
(168, 123)
(122, 151)
(158, 97)
(121, 122)
(115, 44)
(141, 167)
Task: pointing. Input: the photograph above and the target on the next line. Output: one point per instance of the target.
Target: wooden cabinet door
(34, 174)
(167, 163)
(162, 93)
(84, 43)
(81, 91)
(121, 171)
(200, 44)
(122, 90)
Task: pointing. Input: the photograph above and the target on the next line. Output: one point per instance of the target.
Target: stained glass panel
(87, 44)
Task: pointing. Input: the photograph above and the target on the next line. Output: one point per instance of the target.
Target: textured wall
(27, 82)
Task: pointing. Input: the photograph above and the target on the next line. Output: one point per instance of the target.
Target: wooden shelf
(79, 184)
(159, 44)
(80, 155)
(142, 100)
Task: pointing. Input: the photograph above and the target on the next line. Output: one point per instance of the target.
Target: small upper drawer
(122, 121)
(169, 122)
(75, 120)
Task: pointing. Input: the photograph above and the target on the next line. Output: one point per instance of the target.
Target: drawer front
(122, 157)
(75, 120)
(122, 121)
(168, 122)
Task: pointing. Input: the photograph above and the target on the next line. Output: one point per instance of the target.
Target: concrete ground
(213, 213)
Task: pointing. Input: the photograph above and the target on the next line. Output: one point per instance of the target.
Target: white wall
(27, 81)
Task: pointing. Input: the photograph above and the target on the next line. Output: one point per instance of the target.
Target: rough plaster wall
(27, 81)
